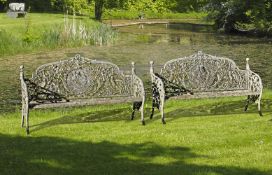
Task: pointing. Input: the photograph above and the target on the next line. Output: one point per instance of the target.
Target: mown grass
(205, 136)
(41, 32)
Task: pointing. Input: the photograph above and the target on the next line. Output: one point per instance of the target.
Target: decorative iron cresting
(79, 78)
(205, 76)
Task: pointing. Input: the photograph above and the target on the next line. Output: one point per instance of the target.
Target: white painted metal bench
(80, 81)
(203, 76)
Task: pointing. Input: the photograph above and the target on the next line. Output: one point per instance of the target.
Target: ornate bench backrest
(203, 72)
(80, 77)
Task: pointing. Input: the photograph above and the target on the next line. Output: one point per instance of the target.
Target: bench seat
(215, 94)
(83, 102)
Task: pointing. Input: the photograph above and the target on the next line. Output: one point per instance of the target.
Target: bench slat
(215, 94)
(85, 102)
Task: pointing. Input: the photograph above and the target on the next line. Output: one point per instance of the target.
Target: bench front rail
(203, 76)
(80, 81)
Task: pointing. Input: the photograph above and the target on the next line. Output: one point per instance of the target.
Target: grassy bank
(43, 32)
(207, 136)
(124, 14)
(40, 32)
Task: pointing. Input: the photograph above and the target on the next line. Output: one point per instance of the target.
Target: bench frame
(111, 86)
(163, 88)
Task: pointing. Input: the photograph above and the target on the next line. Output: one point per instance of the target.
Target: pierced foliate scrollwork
(254, 82)
(138, 91)
(162, 89)
(41, 95)
(158, 93)
(138, 87)
(172, 89)
(81, 77)
(203, 72)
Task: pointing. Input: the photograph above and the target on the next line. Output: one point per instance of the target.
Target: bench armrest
(24, 88)
(158, 91)
(254, 82)
(137, 85)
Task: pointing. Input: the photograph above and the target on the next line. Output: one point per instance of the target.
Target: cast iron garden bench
(80, 81)
(203, 76)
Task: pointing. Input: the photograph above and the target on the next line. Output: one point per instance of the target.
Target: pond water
(142, 43)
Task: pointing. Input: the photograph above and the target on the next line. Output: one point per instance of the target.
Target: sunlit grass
(202, 136)
(42, 32)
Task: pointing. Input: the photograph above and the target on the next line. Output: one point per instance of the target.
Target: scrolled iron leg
(132, 114)
(247, 102)
(152, 111)
(23, 116)
(138, 106)
(162, 113)
(27, 119)
(142, 114)
(134, 107)
(259, 107)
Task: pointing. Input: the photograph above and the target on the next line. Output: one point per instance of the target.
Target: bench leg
(247, 102)
(132, 114)
(252, 99)
(259, 106)
(135, 106)
(153, 108)
(142, 113)
(27, 118)
(23, 115)
(162, 112)
(138, 106)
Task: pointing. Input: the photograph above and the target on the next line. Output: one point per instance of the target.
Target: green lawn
(42, 32)
(206, 136)
(17, 26)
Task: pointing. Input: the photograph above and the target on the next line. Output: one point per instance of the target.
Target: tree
(2, 4)
(98, 9)
(230, 15)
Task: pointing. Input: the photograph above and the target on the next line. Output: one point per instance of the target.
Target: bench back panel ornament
(203, 72)
(202, 76)
(80, 77)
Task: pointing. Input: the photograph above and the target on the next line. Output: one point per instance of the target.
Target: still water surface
(142, 43)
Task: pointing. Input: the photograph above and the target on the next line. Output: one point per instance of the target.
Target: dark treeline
(230, 16)
(160, 5)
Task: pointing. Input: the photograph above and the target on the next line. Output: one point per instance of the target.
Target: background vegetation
(229, 15)
(39, 32)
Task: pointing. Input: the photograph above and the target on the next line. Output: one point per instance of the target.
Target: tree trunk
(98, 9)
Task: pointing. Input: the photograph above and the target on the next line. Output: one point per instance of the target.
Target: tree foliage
(230, 14)
(98, 10)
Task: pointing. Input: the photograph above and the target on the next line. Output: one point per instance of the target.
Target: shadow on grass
(49, 155)
(216, 108)
(88, 117)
